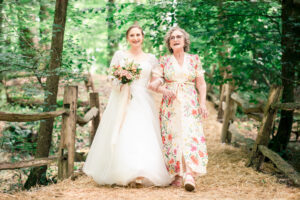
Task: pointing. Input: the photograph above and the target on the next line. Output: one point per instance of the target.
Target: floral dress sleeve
(198, 67)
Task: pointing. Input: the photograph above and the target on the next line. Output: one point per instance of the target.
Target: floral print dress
(181, 126)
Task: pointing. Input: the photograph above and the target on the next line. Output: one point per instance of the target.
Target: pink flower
(128, 76)
(169, 114)
(177, 167)
(194, 112)
(201, 154)
(163, 139)
(193, 102)
(195, 140)
(193, 148)
(194, 159)
(202, 139)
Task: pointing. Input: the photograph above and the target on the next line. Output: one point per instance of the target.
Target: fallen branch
(281, 164)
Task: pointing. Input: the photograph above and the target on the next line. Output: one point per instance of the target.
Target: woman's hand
(154, 84)
(203, 111)
(169, 94)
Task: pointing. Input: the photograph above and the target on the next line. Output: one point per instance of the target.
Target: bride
(127, 147)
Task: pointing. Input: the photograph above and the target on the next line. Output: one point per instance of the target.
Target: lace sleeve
(158, 69)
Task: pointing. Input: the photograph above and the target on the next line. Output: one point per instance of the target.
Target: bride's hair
(134, 26)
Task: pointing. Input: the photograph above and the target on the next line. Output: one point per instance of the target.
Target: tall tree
(37, 175)
(44, 16)
(111, 37)
(290, 60)
(1, 18)
(222, 53)
(27, 34)
(1, 36)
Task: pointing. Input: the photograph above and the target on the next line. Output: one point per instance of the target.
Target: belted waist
(180, 82)
(179, 85)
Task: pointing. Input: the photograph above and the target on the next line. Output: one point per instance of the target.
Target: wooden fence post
(263, 136)
(68, 131)
(220, 107)
(94, 102)
(229, 108)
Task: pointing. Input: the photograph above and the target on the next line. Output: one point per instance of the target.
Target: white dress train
(127, 144)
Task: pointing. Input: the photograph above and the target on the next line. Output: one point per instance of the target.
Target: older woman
(183, 104)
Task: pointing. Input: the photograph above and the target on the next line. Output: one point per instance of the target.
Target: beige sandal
(189, 182)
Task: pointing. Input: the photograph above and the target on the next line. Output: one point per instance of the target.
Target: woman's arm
(201, 88)
(156, 85)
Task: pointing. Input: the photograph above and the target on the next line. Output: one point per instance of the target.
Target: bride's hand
(121, 87)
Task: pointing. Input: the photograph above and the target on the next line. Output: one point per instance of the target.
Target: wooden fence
(266, 114)
(67, 154)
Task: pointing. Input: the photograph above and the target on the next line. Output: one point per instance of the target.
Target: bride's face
(135, 37)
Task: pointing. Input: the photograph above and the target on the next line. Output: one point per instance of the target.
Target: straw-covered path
(227, 178)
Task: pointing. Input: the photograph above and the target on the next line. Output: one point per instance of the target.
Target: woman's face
(177, 40)
(135, 37)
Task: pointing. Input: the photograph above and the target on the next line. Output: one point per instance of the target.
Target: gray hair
(186, 36)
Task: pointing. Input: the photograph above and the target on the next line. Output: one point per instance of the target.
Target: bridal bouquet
(127, 73)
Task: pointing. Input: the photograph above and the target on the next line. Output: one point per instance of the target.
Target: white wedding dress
(128, 143)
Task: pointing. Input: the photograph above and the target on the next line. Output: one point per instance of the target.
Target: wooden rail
(92, 113)
(286, 106)
(66, 154)
(246, 107)
(79, 157)
(258, 148)
(14, 117)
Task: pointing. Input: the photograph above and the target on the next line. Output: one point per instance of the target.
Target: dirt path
(227, 178)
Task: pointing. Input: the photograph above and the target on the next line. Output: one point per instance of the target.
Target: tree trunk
(222, 54)
(1, 35)
(27, 36)
(289, 60)
(46, 127)
(44, 16)
(1, 18)
(111, 37)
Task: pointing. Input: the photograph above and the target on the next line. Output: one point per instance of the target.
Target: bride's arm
(157, 81)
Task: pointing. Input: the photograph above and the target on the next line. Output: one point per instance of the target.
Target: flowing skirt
(128, 144)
